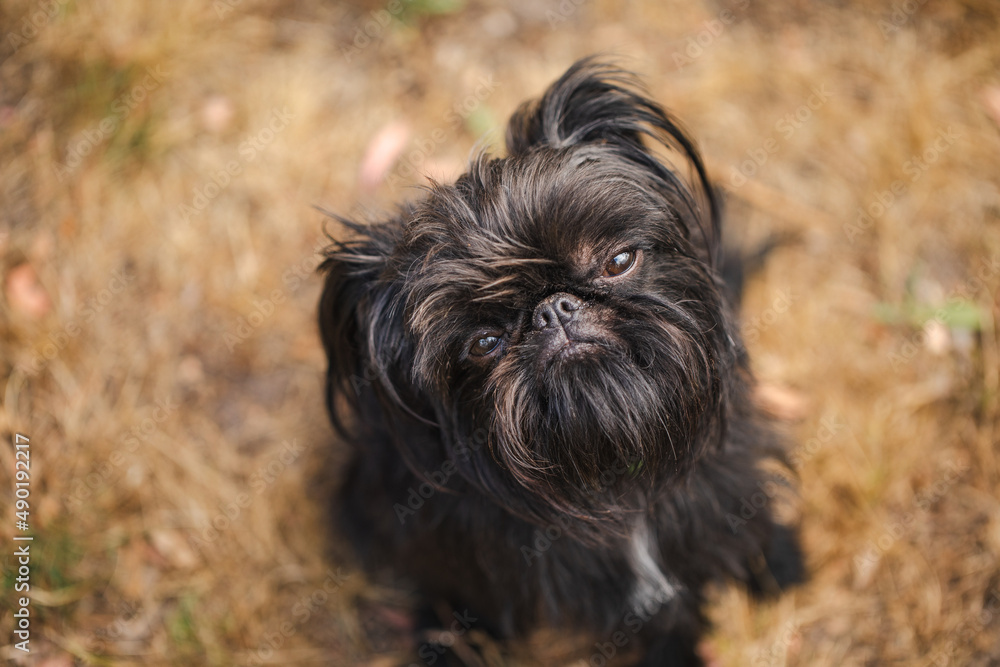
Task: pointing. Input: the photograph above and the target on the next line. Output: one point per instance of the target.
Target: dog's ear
(595, 102)
(361, 325)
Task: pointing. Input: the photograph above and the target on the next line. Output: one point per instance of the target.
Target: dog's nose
(557, 309)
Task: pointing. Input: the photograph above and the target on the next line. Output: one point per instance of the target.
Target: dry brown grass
(892, 402)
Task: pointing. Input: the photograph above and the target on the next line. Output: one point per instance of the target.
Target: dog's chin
(591, 410)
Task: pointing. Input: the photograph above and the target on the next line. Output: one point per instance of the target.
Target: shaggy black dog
(541, 374)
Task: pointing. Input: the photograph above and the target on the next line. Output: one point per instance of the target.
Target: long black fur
(518, 485)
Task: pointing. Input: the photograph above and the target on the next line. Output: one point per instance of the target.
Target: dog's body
(545, 387)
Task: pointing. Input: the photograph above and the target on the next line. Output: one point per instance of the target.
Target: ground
(161, 166)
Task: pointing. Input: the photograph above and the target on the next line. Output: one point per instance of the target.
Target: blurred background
(160, 168)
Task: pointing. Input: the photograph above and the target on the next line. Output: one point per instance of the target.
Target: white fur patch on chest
(652, 587)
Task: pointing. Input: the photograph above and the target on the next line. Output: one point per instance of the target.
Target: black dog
(542, 377)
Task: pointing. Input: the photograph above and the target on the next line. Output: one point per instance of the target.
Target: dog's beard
(590, 434)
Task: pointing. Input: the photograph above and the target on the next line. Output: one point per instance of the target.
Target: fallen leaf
(174, 548)
(991, 98)
(782, 402)
(216, 113)
(937, 338)
(382, 152)
(25, 293)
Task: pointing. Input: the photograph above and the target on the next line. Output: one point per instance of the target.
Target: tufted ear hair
(361, 321)
(596, 102)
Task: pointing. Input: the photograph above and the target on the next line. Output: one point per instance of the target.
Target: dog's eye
(484, 346)
(619, 264)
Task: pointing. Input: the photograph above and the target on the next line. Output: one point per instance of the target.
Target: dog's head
(561, 301)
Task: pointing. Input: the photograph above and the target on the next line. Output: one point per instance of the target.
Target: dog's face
(561, 300)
